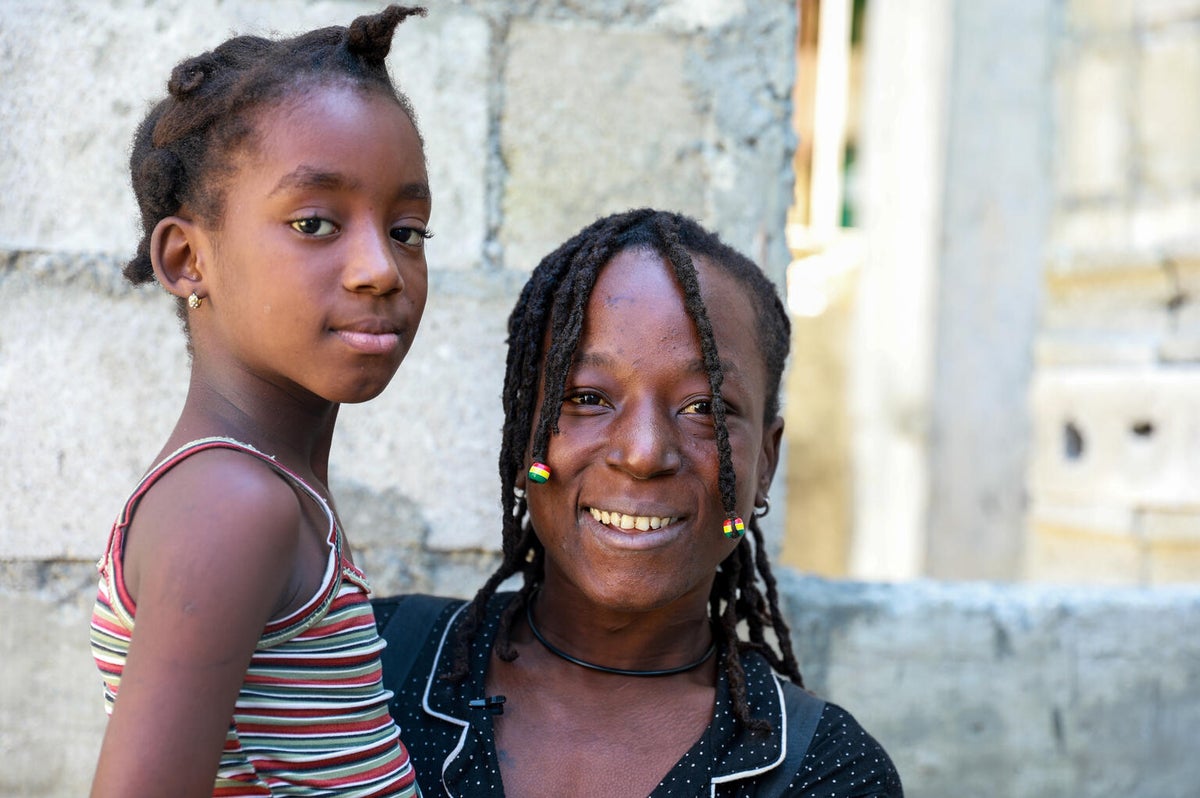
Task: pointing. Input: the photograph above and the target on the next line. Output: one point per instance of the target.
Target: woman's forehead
(644, 283)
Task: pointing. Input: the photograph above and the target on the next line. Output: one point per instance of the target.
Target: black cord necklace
(558, 652)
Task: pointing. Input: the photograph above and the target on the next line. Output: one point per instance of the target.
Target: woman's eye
(410, 236)
(314, 226)
(701, 407)
(586, 398)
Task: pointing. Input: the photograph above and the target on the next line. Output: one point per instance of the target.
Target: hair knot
(161, 176)
(190, 75)
(370, 38)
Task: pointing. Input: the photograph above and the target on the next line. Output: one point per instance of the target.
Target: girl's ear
(175, 252)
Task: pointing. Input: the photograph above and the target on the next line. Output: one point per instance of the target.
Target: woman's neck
(661, 638)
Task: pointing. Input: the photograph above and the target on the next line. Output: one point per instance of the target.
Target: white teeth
(622, 521)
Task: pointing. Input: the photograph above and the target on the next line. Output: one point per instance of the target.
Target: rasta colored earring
(735, 527)
(539, 472)
(194, 301)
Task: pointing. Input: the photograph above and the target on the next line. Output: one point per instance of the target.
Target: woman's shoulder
(412, 619)
(412, 615)
(844, 759)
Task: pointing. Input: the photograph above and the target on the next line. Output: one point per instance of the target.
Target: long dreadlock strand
(789, 666)
(685, 273)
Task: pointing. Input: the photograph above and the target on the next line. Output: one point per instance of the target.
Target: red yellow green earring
(539, 472)
(734, 528)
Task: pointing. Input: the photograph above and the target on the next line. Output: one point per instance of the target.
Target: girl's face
(631, 517)
(316, 277)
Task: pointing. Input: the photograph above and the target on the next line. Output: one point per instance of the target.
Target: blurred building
(997, 252)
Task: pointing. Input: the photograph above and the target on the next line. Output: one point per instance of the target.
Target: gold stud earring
(194, 301)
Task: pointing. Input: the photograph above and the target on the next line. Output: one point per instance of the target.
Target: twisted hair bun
(370, 38)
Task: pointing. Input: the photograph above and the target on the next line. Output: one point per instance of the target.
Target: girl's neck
(296, 433)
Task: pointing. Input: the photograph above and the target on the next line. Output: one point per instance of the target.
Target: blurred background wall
(995, 283)
(985, 217)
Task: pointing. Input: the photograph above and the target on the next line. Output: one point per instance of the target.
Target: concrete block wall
(1118, 354)
(538, 117)
(527, 141)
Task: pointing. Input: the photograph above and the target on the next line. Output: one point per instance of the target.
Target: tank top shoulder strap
(204, 444)
(110, 564)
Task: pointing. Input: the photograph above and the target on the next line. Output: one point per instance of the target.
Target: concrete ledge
(980, 689)
(974, 689)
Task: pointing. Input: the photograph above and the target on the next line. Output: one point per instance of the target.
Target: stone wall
(538, 118)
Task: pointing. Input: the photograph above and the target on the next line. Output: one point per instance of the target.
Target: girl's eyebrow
(306, 177)
(309, 177)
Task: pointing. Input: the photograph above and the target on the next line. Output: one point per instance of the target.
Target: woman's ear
(175, 252)
(769, 457)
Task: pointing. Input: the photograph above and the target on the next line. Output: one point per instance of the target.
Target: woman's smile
(630, 520)
(618, 530)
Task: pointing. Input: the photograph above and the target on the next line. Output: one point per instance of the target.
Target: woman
(641, 434)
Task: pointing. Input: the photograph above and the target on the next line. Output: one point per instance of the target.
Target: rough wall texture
(538, 117)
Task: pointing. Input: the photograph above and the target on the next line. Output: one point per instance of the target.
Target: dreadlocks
(556, 297)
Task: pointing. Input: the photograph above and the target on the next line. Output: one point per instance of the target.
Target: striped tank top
(311, 718)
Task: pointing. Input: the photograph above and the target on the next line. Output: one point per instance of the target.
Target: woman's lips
(628, 521)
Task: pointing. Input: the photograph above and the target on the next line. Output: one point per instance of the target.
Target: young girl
(646, 652)
(285, 203)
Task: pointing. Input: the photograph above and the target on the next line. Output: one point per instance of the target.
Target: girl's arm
(209, 561)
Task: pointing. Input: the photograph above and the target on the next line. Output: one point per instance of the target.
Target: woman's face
(631, 517)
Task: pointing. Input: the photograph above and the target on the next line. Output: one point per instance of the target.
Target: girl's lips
(380, 343)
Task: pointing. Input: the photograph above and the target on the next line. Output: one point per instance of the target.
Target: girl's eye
(314, 226)
(701, 407)
(410, 236)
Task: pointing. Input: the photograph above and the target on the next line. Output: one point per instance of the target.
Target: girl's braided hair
(186, 147)
(556, 297)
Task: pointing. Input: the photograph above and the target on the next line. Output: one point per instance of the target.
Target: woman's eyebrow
(694, 367)
(697, 366)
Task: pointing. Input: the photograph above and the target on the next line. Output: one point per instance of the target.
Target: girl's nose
(645, 443)
(372, 265)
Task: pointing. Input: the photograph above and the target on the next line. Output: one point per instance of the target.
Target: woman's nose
(645, 442)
